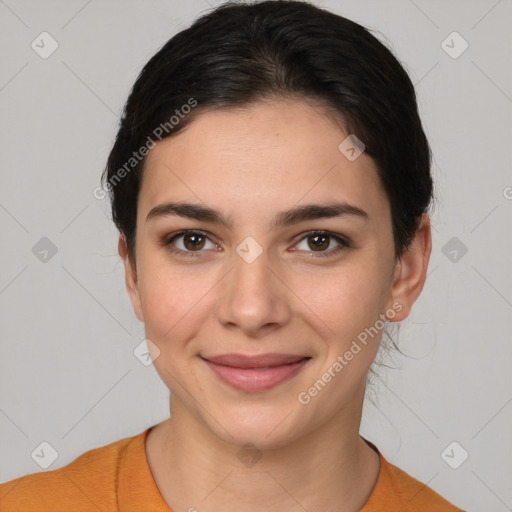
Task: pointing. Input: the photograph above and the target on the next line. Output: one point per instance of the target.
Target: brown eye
(193, 241)
(189, 243)
(319, 242)
(323, 243)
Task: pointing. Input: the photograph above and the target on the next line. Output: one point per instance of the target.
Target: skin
(252, 163)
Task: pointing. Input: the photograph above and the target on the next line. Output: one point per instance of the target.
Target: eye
(320, 241)
(188, 243)
(191, 243)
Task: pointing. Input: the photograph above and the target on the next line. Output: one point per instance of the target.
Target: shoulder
(416, 494)
(87, 483)
(396, 489)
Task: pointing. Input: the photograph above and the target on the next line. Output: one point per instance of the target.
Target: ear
(130, 277)
(410, 272)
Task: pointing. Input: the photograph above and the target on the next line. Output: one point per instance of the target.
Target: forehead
(259, 158)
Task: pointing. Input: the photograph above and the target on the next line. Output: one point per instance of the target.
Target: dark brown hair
(241, 53)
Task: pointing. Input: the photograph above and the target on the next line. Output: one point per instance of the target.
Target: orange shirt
(117, 477)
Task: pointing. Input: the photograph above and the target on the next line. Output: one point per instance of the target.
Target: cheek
(173, 301)
(159, 303)
(345, 300)
(170, 321)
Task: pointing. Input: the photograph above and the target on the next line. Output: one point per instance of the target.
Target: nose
(253, 298)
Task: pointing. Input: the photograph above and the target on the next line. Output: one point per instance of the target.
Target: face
(286, 250)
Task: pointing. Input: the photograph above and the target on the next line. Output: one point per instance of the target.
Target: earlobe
(130, 277)
(410, 271)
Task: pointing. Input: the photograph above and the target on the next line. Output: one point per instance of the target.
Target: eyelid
(167, 241)
(343, 241)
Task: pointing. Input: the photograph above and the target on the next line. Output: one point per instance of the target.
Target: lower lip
(254, 379)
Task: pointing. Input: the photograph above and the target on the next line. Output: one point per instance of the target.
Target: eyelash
(344, 243)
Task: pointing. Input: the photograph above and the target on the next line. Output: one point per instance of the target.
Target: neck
(330, 469)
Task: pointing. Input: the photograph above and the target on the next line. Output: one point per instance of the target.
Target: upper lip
(261, 361)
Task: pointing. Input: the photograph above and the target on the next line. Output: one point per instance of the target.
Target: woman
(270, 182)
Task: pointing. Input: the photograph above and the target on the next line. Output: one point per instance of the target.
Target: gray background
(68, 375)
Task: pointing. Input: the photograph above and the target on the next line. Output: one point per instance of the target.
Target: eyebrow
(284, 218)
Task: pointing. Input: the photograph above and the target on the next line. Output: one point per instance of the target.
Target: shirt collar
(137, 490)
(136, 487)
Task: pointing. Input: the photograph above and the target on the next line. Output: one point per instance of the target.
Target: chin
(267, 429)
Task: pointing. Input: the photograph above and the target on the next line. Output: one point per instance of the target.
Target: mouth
(255, 373)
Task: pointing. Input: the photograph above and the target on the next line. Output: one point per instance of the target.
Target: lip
(256, 373)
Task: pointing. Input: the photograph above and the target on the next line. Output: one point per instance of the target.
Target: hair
(244, 53)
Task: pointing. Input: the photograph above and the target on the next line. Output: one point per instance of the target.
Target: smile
(256, 373)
